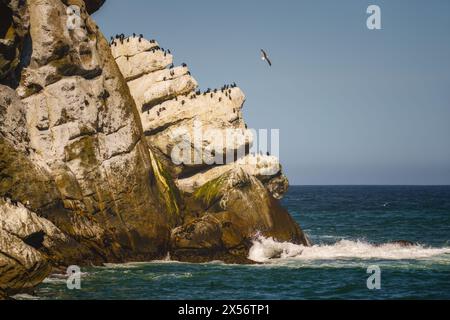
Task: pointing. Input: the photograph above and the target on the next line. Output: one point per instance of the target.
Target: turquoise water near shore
(350, 227)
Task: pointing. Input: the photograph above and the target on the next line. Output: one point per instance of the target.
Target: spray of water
(269, 250)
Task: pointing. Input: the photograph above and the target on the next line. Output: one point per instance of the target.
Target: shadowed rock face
(93, 5)
(86, 135)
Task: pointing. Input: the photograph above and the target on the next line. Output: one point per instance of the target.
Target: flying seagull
(264, 57)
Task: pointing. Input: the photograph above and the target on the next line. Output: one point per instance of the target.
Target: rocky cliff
(224, 204)
(88, 131)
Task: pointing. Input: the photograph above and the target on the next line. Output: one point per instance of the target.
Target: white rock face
(158, 86)
(258, 166)
(18, 220)
(202, 133)
(136, 57)
(131, 47)
(216, 111)
(143, 63)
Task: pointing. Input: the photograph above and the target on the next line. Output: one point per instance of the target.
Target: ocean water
(350, 227)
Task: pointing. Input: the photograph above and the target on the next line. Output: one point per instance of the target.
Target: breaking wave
(269, 250)
(24, 296)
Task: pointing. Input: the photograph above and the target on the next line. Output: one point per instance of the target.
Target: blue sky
(354, 106)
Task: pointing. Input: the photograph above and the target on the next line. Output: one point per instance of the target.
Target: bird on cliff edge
(265, 57)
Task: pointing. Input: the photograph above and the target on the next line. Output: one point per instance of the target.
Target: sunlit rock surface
(90, 134)
(226, 202)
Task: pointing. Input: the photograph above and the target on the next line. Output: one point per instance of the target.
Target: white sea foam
(268, 250)
(55, 280)
(126, 265)
(170, 275)
(24, 296)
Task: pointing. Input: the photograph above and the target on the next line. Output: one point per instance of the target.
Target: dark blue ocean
(350, 227)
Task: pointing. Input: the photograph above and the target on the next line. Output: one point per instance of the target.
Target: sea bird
(265, 57)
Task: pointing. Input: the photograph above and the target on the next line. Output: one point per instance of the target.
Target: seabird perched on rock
(183, 102)
(265, 57)
(220, 99)
(134, 35)
(168, 51)
(184, 65)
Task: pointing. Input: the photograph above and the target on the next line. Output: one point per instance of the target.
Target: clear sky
(354, 106)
